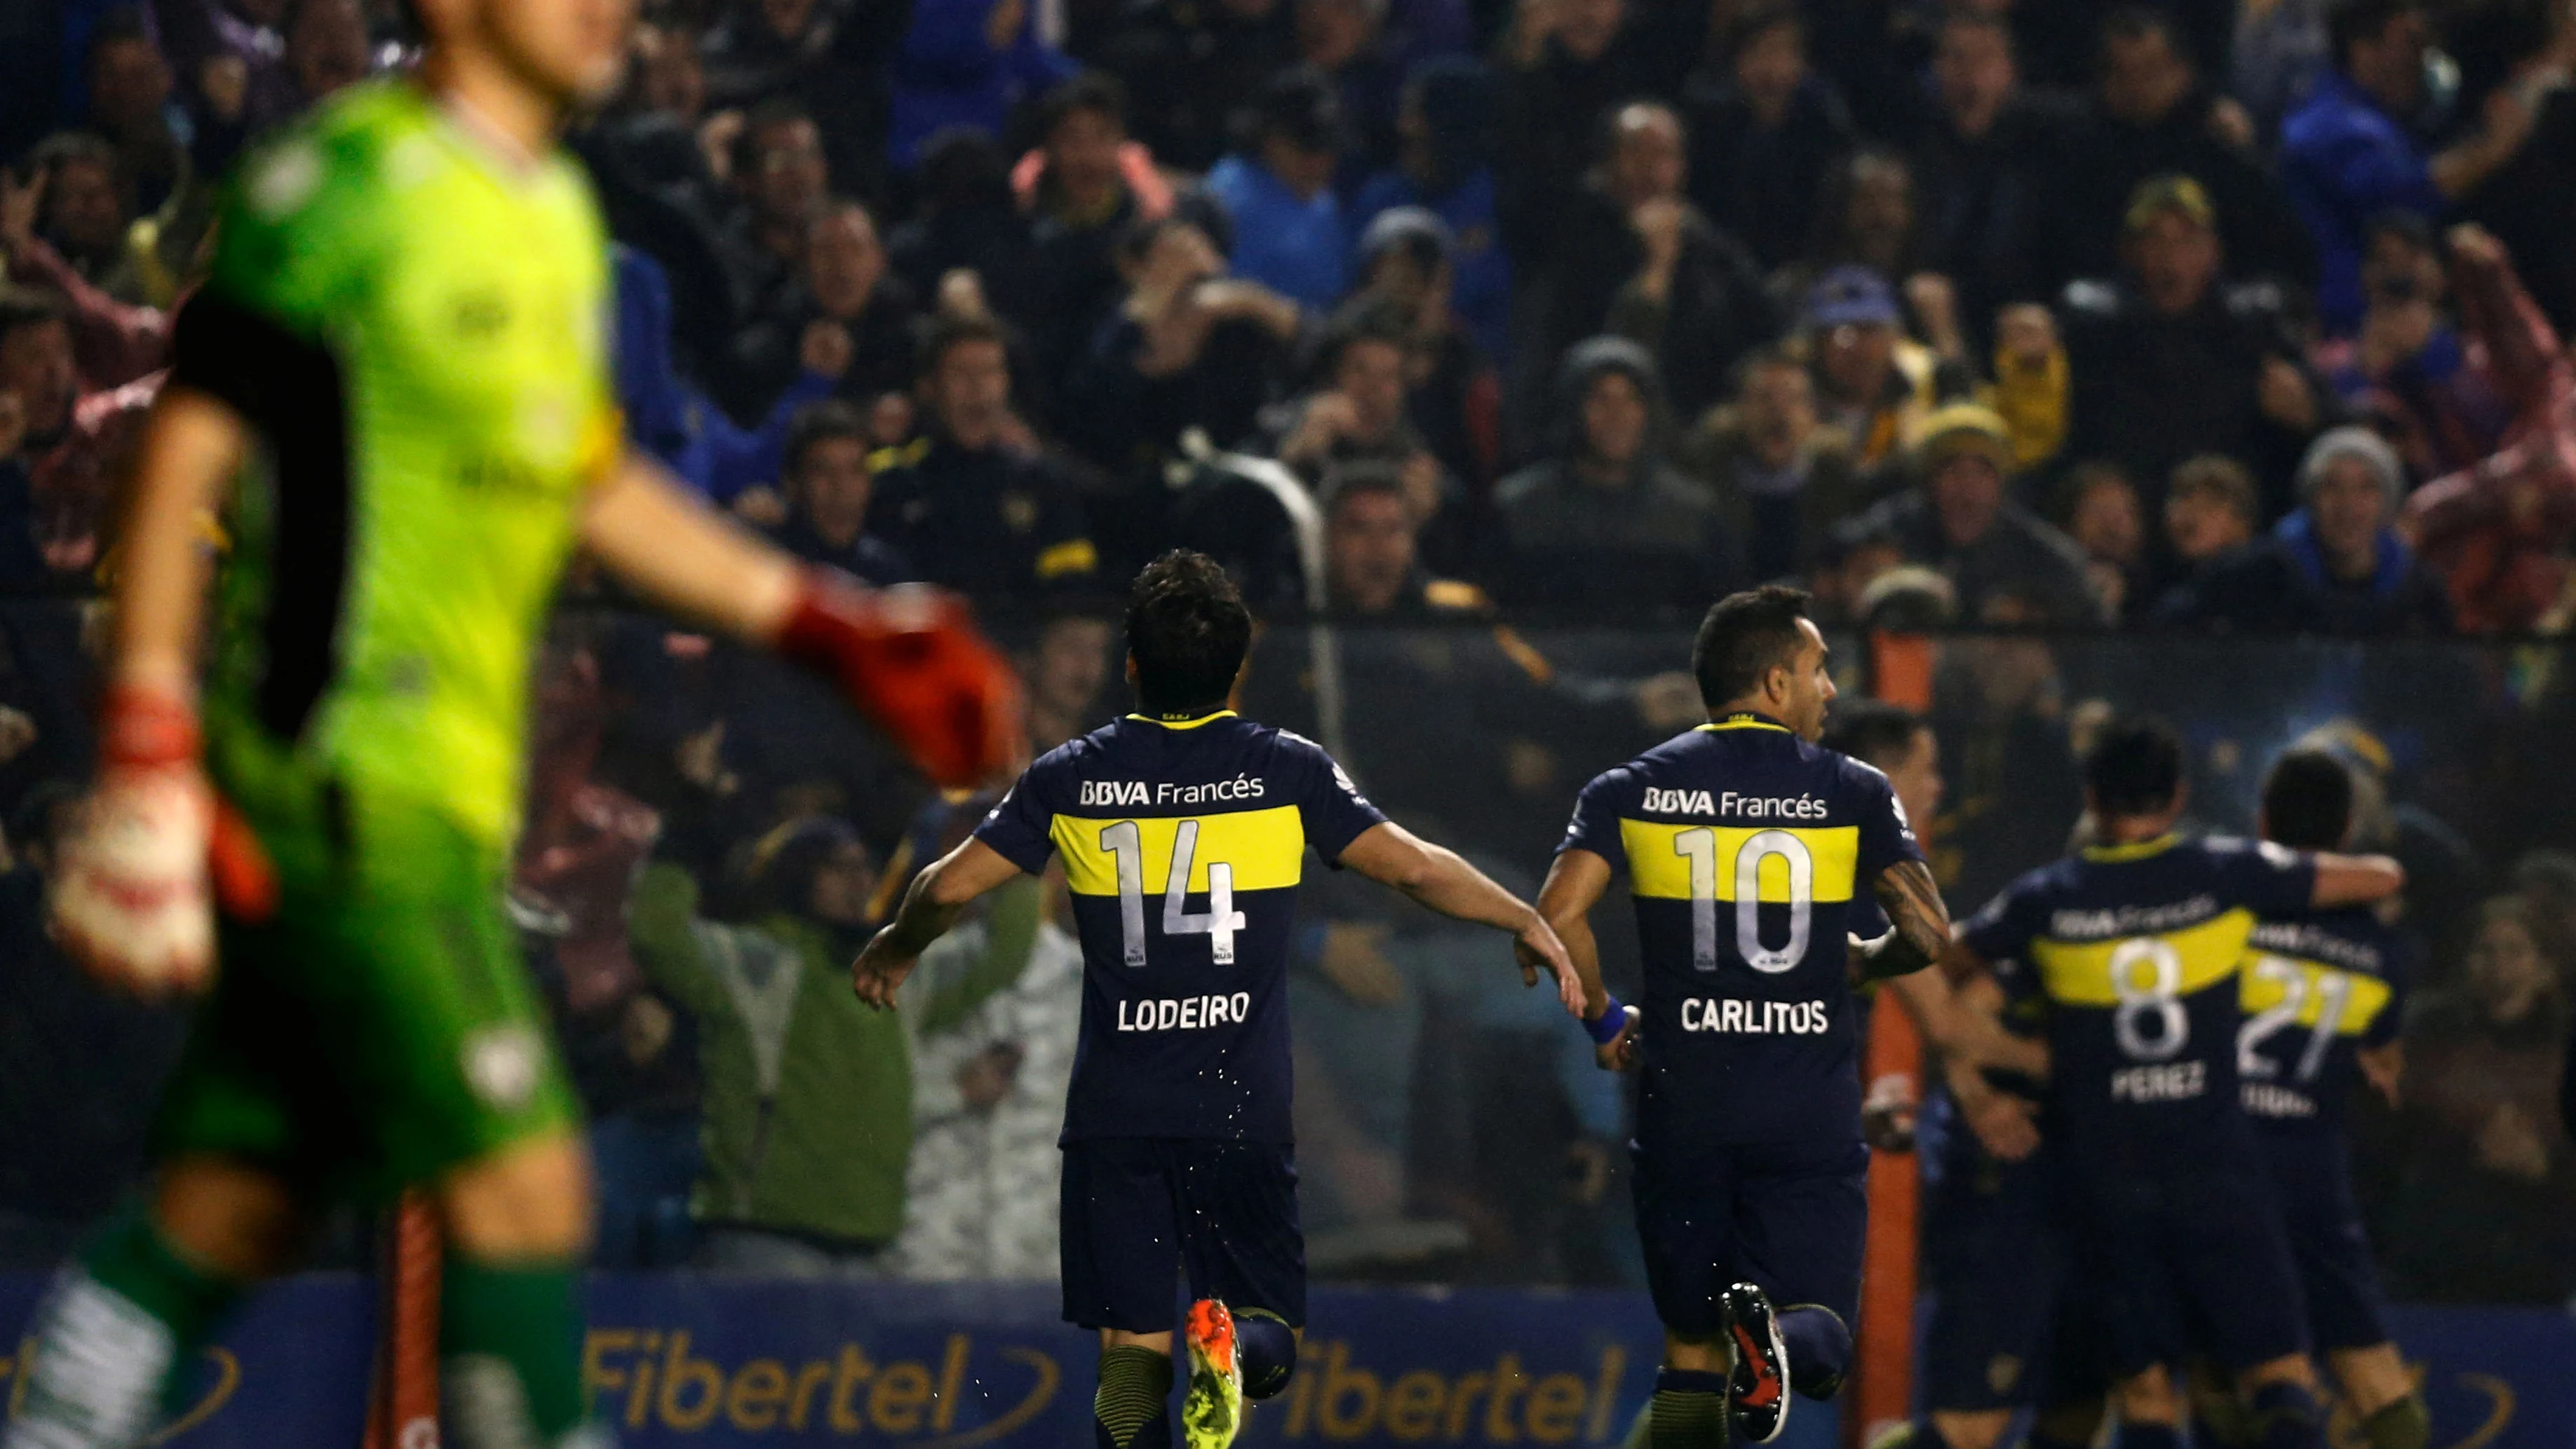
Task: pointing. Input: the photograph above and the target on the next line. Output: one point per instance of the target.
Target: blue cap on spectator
(1851, 297)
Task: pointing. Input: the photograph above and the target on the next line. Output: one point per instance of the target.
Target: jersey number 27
(1218, 922)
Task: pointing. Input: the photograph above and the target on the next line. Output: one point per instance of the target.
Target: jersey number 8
(1218, 922)
(1700, 846)
(2154, 993)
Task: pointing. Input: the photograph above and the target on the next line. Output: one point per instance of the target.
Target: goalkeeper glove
(910, 659)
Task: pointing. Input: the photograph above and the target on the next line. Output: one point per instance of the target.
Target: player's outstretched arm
(130, 900)
(2356, 880)
(1575, 884)
(1920, 922)
(1441, 879)
(908, 657)
(936, 898)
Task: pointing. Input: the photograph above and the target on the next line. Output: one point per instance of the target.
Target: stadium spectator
(965, 63)
(1566, 64)
(2173, 360)
(808, 1092)
(81, 207)
(1085, 186)
(2497, 531)
(1983, 162)
(1959, 518)
(1765, 129)
(2212, 508)
(1628, 254)
(842, 284)
(1277, 191)
(781, 184)
(2486, 1212)
(1781, 478)
(2334, 565)
(2349, 154)
(2150, 115)
(1442, 166)
(132, 102)
(1372, 551)
(828, 61)
(1358, 414)
(113, 342)
(1189, 66)
(1872, 382)
(971, 503)
(678, 424)
(967, 219)
(1607, 522)
(2407, 368)
(38, 392)
(1865, 217)
(1064, 672)
(2105, 519)
(1188, 349)
(827, 483)
(325, 50)
(2031, 390)
(1452, 392)
(1345, 41)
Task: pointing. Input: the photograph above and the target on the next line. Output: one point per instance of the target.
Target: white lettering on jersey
(1755, 1018)
(1184, 1013)
(2167, 1082)
(1120, 793)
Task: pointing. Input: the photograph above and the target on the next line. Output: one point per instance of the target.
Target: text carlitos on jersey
(1163, 792)
(1757, 1018)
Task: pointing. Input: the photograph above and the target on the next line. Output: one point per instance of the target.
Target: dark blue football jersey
(2318, 986)
(1745, 849)
(1183, 843)
(2134, 949)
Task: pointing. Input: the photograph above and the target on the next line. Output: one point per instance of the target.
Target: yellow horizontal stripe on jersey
(2364, 997)
(1266, 848)
(2078, 973)
(1659, 870)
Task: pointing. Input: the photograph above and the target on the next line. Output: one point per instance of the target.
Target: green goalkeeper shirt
(414, 322)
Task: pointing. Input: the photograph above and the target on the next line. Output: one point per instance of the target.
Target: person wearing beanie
(1960, 519)
(1277, 189)
(1607, 522)
(2334, 565)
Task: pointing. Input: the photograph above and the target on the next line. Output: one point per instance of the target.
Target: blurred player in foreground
(2134, 945)
(2323, 992)
(1184, 830)
(395, 380)
(1745, 844)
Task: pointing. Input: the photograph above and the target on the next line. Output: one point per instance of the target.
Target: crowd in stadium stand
(2022, 314)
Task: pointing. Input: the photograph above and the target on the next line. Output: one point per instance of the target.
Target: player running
(2322, 992)
(1745, 844)
(399, 360)
(1184, 831)
(2134, 944)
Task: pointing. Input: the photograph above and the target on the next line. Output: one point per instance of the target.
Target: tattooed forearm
(1912, 901)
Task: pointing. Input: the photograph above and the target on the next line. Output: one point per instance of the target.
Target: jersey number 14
(1700, 848)
(1218, 922)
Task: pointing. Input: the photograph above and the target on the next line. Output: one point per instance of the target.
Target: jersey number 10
(1218, 922)
(1700, 847)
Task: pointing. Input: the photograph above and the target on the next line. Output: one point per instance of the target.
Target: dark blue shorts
(2185, 1262)
(1994, 1263)
(2311, 1175)
(1787, 1216)
(1138, 1212)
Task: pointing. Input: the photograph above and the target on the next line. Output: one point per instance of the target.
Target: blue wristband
(1612, 1022)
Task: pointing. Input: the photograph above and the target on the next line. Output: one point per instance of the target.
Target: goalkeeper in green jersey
(395, 383)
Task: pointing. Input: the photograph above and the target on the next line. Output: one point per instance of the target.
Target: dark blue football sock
(1266, 1348)
(2287, 1416)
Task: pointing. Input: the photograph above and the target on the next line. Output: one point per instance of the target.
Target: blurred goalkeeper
(395, 385)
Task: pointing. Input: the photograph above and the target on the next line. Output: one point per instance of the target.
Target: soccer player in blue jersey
(1746, 845)
(2133, 945)
(1184, 830)
(2322, 992)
